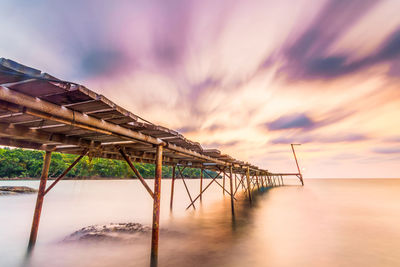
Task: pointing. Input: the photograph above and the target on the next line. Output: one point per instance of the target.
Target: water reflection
(325, 223)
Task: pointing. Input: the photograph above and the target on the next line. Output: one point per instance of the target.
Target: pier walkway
(39, 111)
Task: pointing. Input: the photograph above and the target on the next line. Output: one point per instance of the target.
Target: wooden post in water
(172, 188)
(201, 184)
(39, 200)
(257, 182)
(248, 183)
(156, 208)
(231, 187)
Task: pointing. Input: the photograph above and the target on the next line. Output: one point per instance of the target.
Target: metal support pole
(235, 181)
(258, 184)
(223, 185)
(248, 183)
(201, 184)
(187, 189)
(127, 159)
(156, 208)
(240, 182)
(39, 200)
(213, 180)
(297, 163)
(66, 171)
(231, 187)
(172, 188)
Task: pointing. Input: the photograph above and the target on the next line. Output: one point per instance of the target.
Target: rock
(14, 190)
(124, 232)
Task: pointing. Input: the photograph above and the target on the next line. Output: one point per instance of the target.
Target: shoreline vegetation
(25, 164)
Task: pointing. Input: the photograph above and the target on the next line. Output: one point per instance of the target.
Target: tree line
(28, 164)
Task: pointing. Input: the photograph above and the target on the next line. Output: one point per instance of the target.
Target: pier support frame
(127, 159)
(223, 184)
(297, 163)
(172, 188)
(201, 184)
(184, 183)
(248, 184)
(66, 171)
(231, 190)
(156, 208)
(39, 200)
(213, 180)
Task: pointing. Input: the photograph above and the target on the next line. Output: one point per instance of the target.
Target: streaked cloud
(247, 77)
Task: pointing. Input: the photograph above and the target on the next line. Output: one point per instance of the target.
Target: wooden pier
(39, 111)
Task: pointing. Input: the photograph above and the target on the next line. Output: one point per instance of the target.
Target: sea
(326, 222)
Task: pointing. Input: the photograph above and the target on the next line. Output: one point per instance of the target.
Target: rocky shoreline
(16, 190)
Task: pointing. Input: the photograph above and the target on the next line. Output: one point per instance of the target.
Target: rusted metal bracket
(187, 189)
(66, 171)
(127, 159)
(213, 179)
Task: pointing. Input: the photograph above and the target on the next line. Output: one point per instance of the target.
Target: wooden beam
(42, 136)
(5, 141)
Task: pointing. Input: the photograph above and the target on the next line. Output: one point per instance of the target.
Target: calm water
(325, 223)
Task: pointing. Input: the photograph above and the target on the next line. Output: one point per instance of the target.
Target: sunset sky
(246, 77)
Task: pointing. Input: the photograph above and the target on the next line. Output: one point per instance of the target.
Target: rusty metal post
(262, 181)
(223, 184)
(156, 208)
(172, 188)
(297, 163)
(248, 183)
(201, 184)
(39, 200)
(231, 187)
(235, 181)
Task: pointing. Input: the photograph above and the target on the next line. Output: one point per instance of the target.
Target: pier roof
(39, 111)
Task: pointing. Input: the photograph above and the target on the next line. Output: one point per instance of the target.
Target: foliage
(28, 163)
